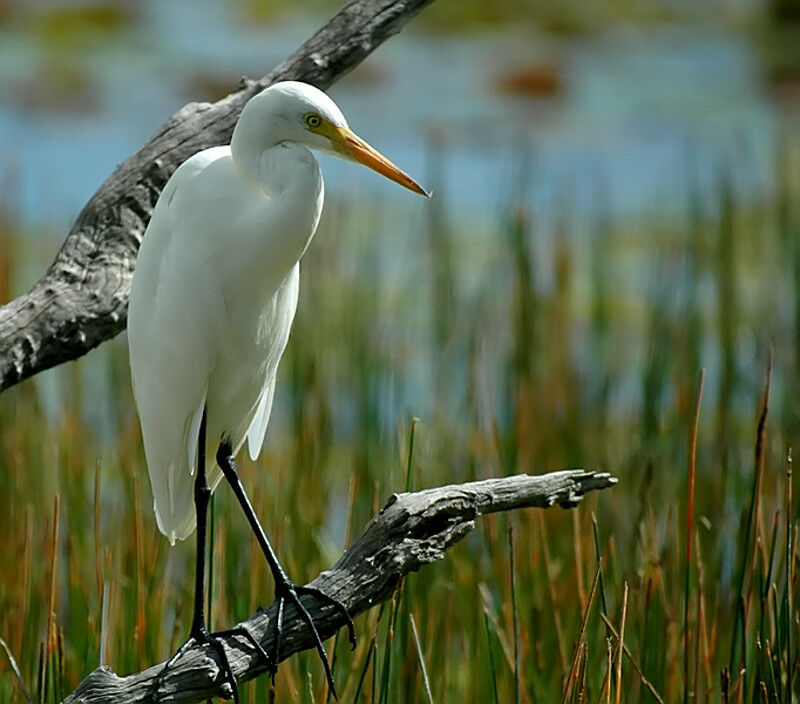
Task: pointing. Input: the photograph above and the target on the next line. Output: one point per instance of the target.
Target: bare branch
(410, 531)
(82, 299)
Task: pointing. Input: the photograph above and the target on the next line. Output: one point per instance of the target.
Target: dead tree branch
(410, 531)
(82, 299)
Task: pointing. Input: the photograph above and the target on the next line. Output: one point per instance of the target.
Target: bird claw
(203, 637)
(285, 591)
(338, 605)
(245, 633)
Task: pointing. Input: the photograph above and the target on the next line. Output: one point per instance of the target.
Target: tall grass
(519, 349)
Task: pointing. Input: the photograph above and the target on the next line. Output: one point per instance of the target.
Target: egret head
(301, 113)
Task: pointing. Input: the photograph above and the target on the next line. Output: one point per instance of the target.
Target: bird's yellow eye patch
(312, 120)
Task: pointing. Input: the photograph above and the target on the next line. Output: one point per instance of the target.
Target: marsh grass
(525, 348)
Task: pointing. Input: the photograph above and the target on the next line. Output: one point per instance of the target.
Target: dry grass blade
(49, 638)
(577, 550)
(98, 563)
(789, 581)
(634, 664)
(491, 656)
(410, 460)
(764, 697)
(40, 677)
(751, 532)
(515, 617)
(621, 647)
(15, 669)
(576, 655)
(605, 688)
(364, 670)
(703, 651)
(584, 661)
(553, 590)
(689, 531)
(488, 610)
(598, 556)
(761, 435)
(103, 625)
(425, 680)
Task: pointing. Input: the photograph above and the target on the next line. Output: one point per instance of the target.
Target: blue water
(637, 109)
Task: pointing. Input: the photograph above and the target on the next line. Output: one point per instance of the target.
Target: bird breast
(256, 259)
(287, 207)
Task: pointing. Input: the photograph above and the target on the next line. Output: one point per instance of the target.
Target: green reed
(519, 347)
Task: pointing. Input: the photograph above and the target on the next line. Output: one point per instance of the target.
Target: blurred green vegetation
(522, 348)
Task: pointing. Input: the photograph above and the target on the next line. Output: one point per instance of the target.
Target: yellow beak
(351, 146)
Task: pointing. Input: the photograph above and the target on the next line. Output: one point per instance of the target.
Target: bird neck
(288, 174)
(263, 158)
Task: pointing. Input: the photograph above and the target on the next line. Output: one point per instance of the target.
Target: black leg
(202, 495)
(285, 590)
(199, 633)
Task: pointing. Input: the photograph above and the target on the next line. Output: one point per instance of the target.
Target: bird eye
(312, 120)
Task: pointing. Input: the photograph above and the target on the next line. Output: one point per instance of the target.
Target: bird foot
(286, 591)
(202, 637)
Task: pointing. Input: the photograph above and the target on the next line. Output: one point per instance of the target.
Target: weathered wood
(82, 299)
(410, 531)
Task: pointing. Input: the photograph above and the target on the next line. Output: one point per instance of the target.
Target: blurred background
(615, 207)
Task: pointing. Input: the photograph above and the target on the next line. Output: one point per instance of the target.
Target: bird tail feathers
(173, 501)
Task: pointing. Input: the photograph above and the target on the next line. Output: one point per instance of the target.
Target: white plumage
(216, 283)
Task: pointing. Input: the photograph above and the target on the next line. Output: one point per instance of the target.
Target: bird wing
(286, 306)
(258, 427)
(167, 342)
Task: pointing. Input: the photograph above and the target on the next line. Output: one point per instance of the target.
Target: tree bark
(82, 299)
(410, 531)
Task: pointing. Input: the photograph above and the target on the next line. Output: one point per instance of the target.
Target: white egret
(213, 297)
